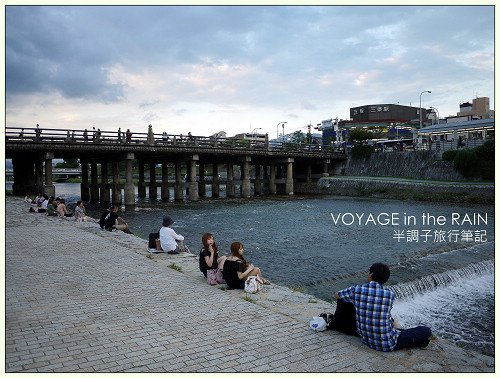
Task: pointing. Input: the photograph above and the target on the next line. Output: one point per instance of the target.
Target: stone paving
(79, 299)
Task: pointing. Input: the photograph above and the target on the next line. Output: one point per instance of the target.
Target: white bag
(318, 323)
(253, 284)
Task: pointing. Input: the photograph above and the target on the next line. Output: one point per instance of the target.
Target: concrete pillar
(289, 178)
(129, 182)
(165, 192)
(116, 191)
(245, 179)
(257, 183)
(193, 185)
(202, 192)
(153, 191)
(272, 179)
(49, 187)
(39, 178)
(178, 190)
(94, 185)
(104, 195)
(24, 176)
(308, 173)
(325, 168)
(215, 181)
(230, 181)
(265, 184)
(141, 189)
(84, 186)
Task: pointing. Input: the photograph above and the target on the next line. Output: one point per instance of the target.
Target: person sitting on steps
(370, 315)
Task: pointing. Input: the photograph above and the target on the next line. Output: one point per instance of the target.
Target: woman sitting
(236, 270)
(62, 210)
(210, 262)
(168, 237)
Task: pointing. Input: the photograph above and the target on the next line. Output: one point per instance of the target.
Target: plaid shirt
(373, 306)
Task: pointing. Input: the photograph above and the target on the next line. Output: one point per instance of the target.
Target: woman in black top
(237, 270)
(209, 253)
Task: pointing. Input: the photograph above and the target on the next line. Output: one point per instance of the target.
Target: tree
(359, 135)
(298, 137)
(68, 163)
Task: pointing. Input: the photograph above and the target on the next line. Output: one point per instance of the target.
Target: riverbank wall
(415, 190)
(421, 165)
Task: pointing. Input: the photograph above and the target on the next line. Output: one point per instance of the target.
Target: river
(442, 265)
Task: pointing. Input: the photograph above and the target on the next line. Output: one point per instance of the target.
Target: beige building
(480, 109)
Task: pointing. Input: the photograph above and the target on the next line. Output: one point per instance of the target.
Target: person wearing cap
(168, 237)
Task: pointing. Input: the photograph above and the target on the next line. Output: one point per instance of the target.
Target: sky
(238, 69)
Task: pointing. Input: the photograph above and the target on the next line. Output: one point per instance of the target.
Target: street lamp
(279, 123)
(253, 131)
(437, 114)
(420, 108)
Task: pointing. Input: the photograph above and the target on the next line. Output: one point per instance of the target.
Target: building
(384, 113)
(249, 136)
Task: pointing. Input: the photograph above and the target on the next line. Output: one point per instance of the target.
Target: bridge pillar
(289, 177)
(141, 190)
(104, 195)
(84, 186)
(308, 172)
(49, 187)
(39, 179)
(153, 190)
(257, 183)
(94, 185)
(272, 179)
(202, 190)
(165, 192)
(178, 190)
(193, 185)
(129, 183)
(245, 179)
(325, 168)
(230, 181)
(24, 178)
(215, 181)
(116, 191)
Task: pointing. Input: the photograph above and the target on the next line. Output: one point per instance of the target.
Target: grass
(312, 301)
(175, 267)
(248, 299)
(149, 256)
(299, 289)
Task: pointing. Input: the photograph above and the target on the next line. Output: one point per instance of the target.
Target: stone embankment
(408, 189)
(79, 299)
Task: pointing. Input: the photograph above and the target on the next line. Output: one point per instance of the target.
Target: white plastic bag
(317, 323)
(253, 284)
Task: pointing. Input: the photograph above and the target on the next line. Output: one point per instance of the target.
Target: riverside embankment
(79, 299)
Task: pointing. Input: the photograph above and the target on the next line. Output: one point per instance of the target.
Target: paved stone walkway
(79, 299)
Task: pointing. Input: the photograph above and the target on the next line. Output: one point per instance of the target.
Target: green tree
(298, 137)
(68, 163)
(359, 135)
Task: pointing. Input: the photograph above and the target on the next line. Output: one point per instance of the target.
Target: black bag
(344, 319)
(152, 239)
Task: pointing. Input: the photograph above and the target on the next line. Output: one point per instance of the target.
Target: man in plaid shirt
(374, 322)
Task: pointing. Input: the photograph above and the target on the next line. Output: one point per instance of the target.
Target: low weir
(109, 159)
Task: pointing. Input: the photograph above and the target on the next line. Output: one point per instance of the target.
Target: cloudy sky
(210, 68)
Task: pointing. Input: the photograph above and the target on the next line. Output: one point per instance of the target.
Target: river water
(441, 255)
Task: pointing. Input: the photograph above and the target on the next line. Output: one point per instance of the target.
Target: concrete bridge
(109, 158)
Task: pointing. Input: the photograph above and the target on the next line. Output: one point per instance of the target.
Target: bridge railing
(105, 137)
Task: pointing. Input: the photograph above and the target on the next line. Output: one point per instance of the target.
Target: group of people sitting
(232, 270)
(57, 207)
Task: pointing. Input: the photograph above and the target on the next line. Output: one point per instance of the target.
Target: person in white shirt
(168, 237)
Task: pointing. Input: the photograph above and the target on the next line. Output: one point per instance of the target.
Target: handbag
(214, 276)
(253, 284)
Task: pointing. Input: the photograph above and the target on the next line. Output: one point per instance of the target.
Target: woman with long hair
(237, 269)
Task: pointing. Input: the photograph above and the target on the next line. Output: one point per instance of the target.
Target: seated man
(110, 220)
(372, 307)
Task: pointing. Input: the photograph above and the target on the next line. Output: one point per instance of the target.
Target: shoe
(266, 282)
(173, 253)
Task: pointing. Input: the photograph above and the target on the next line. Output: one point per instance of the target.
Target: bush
(466, 162)
(361, 151)
(487, 169)
(449, 155)
(486, 151)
